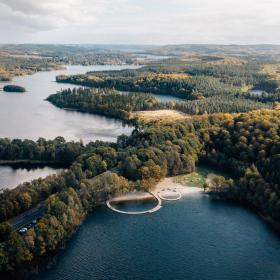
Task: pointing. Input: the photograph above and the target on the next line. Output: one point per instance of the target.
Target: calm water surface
(27, 115)
(257, 92)
(194, 238)
(11, 177)
(134, 206)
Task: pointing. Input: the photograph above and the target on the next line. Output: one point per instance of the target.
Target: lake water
(257, 92)
(12, 177)
(194, 238)
(27, 115)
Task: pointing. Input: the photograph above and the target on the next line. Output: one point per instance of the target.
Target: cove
(194, 238)
(28, 116)
(11, 177)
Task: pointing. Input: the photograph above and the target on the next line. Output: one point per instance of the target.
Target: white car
(23, 230)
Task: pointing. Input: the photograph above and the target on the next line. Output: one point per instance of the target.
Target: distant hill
(240, 50)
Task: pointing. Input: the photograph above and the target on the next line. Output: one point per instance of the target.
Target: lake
(194, 238)
(256, 92)
(12, 177)
(28, 116)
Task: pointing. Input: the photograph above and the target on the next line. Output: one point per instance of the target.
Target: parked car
(23, 230)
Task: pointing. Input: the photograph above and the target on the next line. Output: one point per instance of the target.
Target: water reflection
(28, 116)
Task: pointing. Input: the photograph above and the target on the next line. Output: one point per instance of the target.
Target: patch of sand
(165, 190)
(166, 115)
(167, 187)
(132, 196)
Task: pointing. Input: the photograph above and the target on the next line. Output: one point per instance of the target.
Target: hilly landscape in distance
(139, 140)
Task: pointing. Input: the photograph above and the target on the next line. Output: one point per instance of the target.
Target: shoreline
(268, 220)
(167, 188)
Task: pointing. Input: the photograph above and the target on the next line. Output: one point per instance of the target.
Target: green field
(197, 179)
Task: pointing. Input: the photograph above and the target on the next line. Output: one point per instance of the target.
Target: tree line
(112, 103)
(193, 79)
(56, 151)
(248, 145)
(103, 101)
(138, 162)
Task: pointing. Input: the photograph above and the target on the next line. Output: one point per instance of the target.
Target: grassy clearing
(198, 178)
(229, 61)
(164, 115)
(272, 70)
(193, 180)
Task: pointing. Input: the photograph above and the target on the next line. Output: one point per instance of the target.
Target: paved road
(27, 217)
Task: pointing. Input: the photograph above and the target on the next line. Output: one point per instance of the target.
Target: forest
(230, 128)
(138, 161)
(26, 59)
(104, 102)
(14, 88)
(192, 79)
(115, 104)
(17, 66)
(246, 145)
(56, 151)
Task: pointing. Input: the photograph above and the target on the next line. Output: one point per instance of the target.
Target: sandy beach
(167, 188)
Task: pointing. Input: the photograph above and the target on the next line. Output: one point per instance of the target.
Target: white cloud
(140, 21)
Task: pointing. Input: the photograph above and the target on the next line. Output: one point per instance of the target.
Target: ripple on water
(194, 238)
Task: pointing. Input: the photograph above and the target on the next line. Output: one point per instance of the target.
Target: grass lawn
(197, 179)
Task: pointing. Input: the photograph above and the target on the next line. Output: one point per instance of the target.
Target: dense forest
(57, 150)
(17, 66)
(119, 105)
(195, 78)
(14, 88)
(140, 161)
(17, 60)
(179, 85)
(246, 144)
(104, 102)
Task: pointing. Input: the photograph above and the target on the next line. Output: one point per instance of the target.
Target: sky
(140, 21)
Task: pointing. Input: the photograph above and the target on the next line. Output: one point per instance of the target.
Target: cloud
(141, 21)
(52, 14)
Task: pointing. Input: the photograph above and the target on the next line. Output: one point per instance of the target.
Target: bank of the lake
(29, 116)
(11, 177)
(194, 238)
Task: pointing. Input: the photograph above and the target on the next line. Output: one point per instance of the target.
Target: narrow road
(27, 217)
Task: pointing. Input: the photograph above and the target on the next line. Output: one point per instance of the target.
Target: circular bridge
(162, 195)
(156, 208)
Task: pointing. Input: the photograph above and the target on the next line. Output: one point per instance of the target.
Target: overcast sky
(140, 21)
